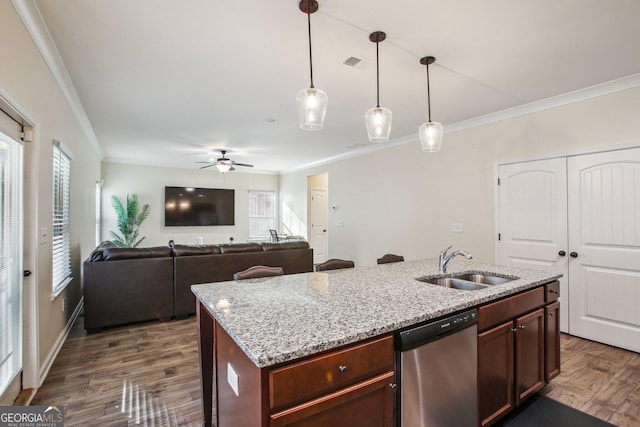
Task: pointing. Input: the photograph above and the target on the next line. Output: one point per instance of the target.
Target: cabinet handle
(553, 291)
(562, 253)
(573, 254)
(393, 386)
(514, 330)
(342, 368)
(521, 326)
(551, 313)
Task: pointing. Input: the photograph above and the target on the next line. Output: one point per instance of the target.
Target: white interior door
(319, 239)
(11, 184)
(604, 240)
(533, 220)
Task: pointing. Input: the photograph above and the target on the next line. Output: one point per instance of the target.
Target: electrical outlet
(456, 228)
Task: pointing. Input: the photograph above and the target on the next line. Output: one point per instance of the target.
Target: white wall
(407, 207)
(149, 182)
(26, 77)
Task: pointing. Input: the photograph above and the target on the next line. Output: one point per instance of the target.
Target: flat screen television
(189, 206)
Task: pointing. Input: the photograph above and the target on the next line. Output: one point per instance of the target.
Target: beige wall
(149, 182)
(25, 75)
(407, 207)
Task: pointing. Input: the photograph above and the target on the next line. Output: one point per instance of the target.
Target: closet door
(532, 223)
(604, 245)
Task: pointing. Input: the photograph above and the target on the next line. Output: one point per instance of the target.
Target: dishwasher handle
(434, 330)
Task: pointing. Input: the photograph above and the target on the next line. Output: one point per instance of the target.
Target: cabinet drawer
(305, 380)
(551, 291)
(508, 308)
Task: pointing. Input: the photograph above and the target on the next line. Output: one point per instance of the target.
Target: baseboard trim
(51, 357)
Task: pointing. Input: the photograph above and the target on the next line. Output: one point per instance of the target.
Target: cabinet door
(366, 404)
(495, 372)
(552, 341)
(529, 354)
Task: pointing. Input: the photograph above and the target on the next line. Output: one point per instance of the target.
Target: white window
(262, 214)
(61, 219)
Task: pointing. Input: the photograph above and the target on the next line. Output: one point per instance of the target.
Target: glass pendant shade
(312, 106)
(378, 120)
(223, 167)
(430, 136)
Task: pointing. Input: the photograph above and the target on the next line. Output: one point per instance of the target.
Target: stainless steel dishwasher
(438, 372)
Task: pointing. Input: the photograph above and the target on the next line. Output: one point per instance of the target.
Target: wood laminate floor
(147, 374)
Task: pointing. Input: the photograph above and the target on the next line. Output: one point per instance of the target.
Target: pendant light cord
(377, 76)
(428, 95)
(310, 57)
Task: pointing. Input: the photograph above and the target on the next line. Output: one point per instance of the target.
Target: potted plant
(129, 219)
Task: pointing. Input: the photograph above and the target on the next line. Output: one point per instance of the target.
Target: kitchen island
(250, 330)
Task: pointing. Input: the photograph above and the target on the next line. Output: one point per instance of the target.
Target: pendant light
(311, 102)
(378, 119)
(430, 132)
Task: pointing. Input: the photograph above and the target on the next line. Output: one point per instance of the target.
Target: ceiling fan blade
(208, 166)
(241, 164)
(205, 162)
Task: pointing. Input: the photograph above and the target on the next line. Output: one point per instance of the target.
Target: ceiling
(170, 82)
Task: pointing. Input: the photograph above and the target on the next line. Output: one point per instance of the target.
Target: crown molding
(31, 18)
(606, 88)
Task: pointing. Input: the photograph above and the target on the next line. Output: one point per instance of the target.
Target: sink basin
(485, 279)
(450, 282)
(467, 281)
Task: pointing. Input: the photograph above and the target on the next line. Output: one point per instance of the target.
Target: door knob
(573, 254)
(562, 253)
(26, 273)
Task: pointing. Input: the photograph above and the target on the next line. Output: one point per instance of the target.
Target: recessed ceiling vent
(359, 63)
(352, 61)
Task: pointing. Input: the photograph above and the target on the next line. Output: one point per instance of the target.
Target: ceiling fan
(224, 164)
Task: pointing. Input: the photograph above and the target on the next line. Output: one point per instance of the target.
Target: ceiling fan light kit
(378, 119)
(224, 164)
(430, 132)
(311, 102)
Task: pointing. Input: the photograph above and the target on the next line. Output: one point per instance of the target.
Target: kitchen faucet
(444, 259)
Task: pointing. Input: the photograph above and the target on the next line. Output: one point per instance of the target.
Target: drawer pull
(551, 313)
(521, 326)
(393, 386)
(342, 368)
(514, 330)
(553, 291)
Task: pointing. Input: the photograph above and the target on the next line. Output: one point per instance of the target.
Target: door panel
(11, 269)
(319, 216)
(604, 234)
(533, 219)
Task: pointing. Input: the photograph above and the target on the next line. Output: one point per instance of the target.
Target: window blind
(61, 219)
(262, 213)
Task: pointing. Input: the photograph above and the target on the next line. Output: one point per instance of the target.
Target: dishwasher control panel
(436, 329)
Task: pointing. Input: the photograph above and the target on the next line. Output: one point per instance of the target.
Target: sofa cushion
(113, 254)
(97, 253)
(237, 248)
(280, 246)
(187, 250)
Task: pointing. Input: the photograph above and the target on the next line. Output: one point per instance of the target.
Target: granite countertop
(283, 318)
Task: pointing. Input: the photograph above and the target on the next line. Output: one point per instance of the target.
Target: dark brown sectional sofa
(124, 285)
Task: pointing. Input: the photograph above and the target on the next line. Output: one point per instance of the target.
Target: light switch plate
(232, 378)
(456, 228)
(340, 223)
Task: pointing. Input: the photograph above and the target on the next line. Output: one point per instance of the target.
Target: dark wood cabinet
(353, 385)
(365, 404)
(511, 345)
(529, 345)
(495, 373)
(552, 341)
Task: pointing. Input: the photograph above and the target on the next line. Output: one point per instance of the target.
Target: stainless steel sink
(467, 281)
